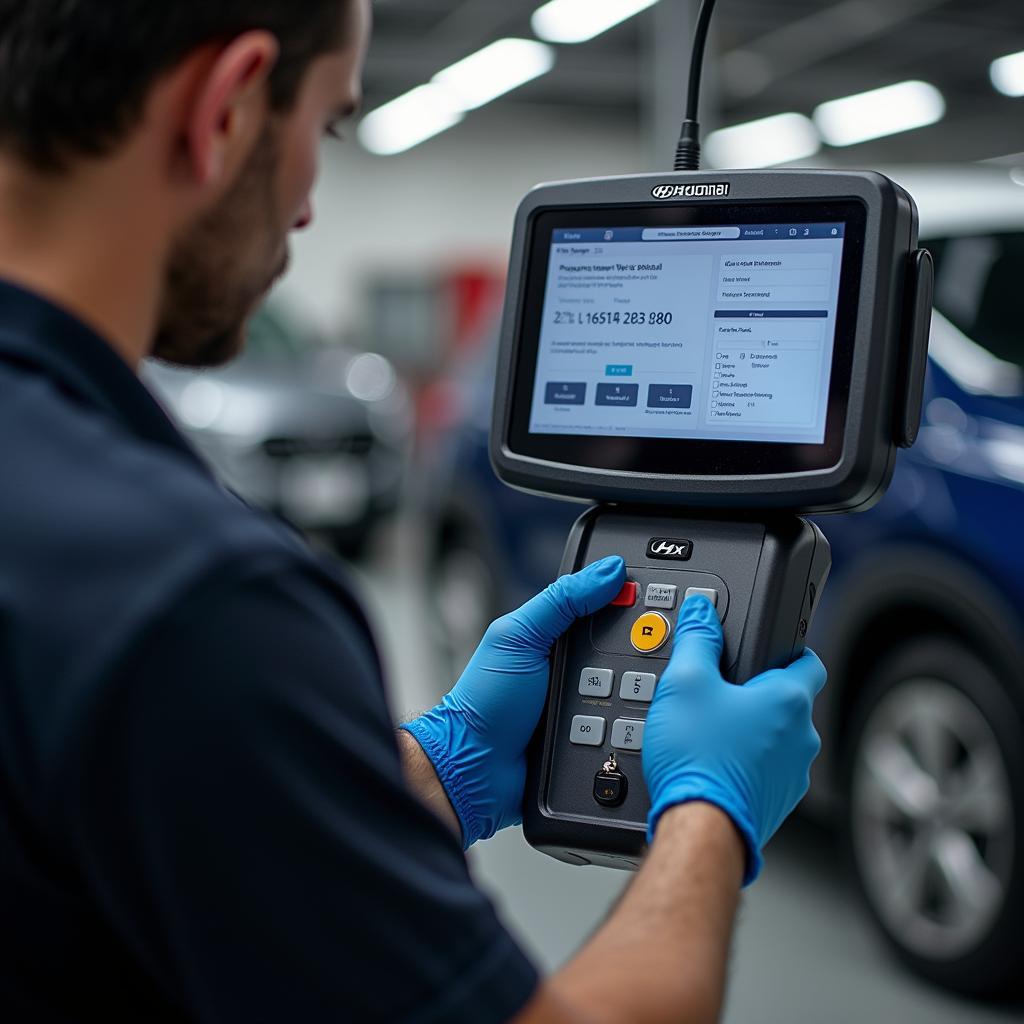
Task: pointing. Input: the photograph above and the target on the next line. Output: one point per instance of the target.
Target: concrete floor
(805, 952)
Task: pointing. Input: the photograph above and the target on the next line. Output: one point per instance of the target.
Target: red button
(627, 595)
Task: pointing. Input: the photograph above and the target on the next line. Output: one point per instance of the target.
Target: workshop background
(361, 407)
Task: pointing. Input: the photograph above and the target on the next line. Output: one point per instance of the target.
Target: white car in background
(318, 435)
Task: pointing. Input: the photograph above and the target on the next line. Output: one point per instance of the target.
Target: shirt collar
(37, 333)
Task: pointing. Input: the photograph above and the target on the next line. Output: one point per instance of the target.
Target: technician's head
(208, 114)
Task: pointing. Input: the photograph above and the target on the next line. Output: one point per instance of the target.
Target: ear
(229, 107)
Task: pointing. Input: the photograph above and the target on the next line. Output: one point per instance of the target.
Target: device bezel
(646, 454)
(863, 464)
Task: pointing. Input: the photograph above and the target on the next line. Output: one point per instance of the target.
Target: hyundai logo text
(702, 190)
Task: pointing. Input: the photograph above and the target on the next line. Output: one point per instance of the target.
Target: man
(204, 812)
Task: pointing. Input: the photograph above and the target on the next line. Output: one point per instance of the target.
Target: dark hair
(74, 74)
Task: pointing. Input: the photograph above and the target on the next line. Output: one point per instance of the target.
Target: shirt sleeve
(241, 820)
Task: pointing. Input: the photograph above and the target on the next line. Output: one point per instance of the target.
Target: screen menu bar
(702, 233)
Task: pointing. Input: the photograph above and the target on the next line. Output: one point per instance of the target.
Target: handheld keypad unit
(705, 355)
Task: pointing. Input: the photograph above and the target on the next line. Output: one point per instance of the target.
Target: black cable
(688, 149)
(700, 42)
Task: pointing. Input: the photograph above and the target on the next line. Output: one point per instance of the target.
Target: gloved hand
(476, 737)
(747, 749)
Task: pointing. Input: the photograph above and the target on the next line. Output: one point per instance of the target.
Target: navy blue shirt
(202, 809)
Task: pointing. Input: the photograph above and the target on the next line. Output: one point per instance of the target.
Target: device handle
(914, 362)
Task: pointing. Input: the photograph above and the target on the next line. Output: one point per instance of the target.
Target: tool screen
(708, 332)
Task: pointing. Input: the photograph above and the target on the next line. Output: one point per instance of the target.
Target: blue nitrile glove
(747, 749)
(476, 737)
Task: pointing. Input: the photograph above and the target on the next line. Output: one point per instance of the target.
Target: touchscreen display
(718, 332)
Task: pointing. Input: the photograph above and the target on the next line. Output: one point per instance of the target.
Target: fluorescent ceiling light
(779, 139)
(1007, 74)
(442, 103)
(576, 21)
(409, 120)
(495, 70)
(886, 111)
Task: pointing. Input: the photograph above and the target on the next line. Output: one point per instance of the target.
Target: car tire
(935, 814)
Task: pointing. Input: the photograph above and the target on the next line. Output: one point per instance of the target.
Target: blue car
(921, 625)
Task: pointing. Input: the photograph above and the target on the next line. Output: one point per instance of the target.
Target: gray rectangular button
(660, 595)
(617, 394)
(596, 682)
(587, 730)
(565, 394)
(638, 686)
(711, 595)
(628, 734)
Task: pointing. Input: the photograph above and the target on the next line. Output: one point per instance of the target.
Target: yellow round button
(649, 632)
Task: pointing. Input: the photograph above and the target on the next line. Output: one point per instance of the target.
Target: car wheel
(465, 590)
(935, 814)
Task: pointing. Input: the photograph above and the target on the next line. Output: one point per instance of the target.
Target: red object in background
(469, 301)
(477, 294)
(439, 407)
(627, 595)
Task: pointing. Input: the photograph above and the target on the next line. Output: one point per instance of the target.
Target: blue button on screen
(669, 396)
(565, 394)
(617, 394)
(618, 370)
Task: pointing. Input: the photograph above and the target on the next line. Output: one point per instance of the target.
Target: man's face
(222, 267)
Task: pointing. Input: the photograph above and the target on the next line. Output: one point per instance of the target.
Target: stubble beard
(221, 268)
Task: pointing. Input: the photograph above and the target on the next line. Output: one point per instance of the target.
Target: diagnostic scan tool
(704, 356)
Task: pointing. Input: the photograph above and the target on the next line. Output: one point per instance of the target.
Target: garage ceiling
(774, 55)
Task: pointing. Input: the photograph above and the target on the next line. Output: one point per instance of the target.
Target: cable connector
(688, 148)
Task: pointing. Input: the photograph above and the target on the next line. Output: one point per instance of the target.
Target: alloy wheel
(932, 818)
